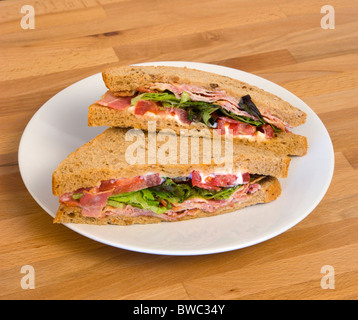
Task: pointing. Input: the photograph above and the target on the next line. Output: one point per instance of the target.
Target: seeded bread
(270, 190)
(109, 156)
(124, 80)
(283, 143)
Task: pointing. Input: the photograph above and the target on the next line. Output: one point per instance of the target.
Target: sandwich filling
(163, 197)
(189, 103)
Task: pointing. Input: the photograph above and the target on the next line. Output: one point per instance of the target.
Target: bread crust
(270, 190)
(126, 79)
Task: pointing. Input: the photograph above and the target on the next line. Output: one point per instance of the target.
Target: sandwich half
(96, 184)
(182, 98)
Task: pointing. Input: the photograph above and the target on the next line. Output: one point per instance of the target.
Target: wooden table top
(282, 41)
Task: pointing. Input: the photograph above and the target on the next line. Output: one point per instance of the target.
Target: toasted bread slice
(107, 157)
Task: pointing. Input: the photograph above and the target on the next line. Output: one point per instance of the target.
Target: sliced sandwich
(182, 98)
(96, 185)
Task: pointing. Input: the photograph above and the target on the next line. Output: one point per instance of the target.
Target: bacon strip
(275, 121)
(267, 130)
(95, 199)
(215, 182)
(118, 103)
(92, 202)
(237, 127)
(197, 182)
(131, 184)
(144, 106)
(196, 93)
(68, 200)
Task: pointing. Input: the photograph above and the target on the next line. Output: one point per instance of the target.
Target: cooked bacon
(152, 180)
(223, 181)
(267, 130)
(245, 177)
(130, 211)
(253, 188)
(241, 194)
(67, 199)
(237, 127)
(215, 182)
(92, 202)
(118, 103)
(181, 113)
(131, 184)
(197, 182)
(94, 199)
(269, 118)
(127, 210)
(196, 93)
(144, 106)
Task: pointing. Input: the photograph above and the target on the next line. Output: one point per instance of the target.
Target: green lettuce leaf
(163, 96)
(77, 196)
(205, 112)
(161, 198)
(225, 193)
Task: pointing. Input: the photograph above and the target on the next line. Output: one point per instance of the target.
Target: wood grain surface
(277, 39)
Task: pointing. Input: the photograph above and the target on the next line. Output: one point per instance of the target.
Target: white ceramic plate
(60, 126)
